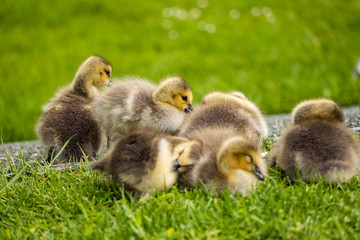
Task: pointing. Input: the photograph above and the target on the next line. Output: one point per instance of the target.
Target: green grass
(305, 49)
(48, 204)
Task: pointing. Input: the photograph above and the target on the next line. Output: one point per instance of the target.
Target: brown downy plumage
(136, 104)
(226, 156)
(317, 144)
(144, 161)
(228, 110)
(68, 115)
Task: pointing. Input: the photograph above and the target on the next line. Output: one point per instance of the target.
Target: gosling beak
(175, 165)
(109, 83)
(258, 173)
(188, 109)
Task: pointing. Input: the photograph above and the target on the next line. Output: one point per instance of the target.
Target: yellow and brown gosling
(133, 103)
(222, 161)
(317, 145)
(228, 133)
(68, 115)
(144, 162)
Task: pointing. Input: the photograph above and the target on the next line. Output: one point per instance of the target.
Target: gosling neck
(82, 85)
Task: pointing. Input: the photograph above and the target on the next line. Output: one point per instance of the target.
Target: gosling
(228, 110)
(224, 162)
(136, 104)
(68, 115)
(144, 162)
(228, 136)
(317, 145)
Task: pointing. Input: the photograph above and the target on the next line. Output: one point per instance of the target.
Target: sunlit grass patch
(39, 202)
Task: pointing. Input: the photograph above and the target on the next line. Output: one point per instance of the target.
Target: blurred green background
(276, 52)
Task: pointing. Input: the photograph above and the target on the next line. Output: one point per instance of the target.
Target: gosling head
(219, 97)
(96, 71)
(175, 91)
(184, 158)
(317, 109)
(239, 154)
(214, 97)
(238, 94)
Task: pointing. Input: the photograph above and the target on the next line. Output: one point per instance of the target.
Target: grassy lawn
(278, 53)
(49, 204)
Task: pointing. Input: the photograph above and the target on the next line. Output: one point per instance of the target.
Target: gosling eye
(184, 98)
(249, 159)
(181, 152)
(107, 73)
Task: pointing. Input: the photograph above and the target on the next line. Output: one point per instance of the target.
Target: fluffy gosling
(224, 162)
(227, 132)
(136, 104)
(144, 162)
(317, 144)
(68, 115)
